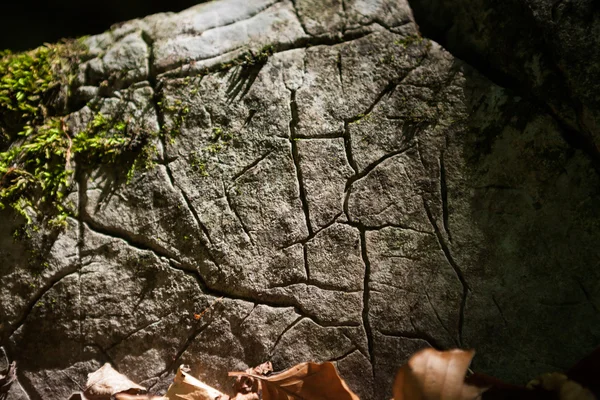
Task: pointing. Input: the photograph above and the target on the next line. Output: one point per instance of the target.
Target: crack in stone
(374, 164)
(457, 271)
(177, 264)
(104, 353)
(296, 158)
(195, 333)
(444, 195)
(343, 356)
(286, 330)
(161, 124)
(27, 386)
(250, 166)
(302, 43)
(192, 209)
(127, 336)
(321, 286)
(262, 297)
(333, 135)
(315, 233)
(300, 20)
(366, 297)
(77, 385)
(348, 148)
(238, 216)
(128, 238)
(306, 266)
(500, 312)
(40, 293)
(437, 315)
(412, 336)
(246, 17)
(248, 315)
(369, 228)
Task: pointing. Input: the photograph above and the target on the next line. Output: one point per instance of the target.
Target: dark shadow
(28, 24)
(241, 80)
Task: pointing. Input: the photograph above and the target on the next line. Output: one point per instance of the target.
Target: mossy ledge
(37, 153)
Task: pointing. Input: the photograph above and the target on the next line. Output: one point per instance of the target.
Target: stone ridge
(333, 186)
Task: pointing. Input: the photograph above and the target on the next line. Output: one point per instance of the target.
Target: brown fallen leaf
(186, 387)
(436, 375)
(107, 382)
(246, 387)
(304, 381)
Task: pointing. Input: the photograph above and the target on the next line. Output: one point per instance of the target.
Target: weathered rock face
(359, 195)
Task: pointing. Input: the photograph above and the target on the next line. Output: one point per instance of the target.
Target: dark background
(28, 24)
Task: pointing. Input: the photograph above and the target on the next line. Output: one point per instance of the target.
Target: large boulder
(329, 185)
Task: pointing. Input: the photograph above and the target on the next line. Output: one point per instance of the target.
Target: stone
(355, 196)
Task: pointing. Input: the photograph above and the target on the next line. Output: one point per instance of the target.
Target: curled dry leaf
(436, 375)
(246, 387)
(107, 382)
(186, 387)
(304, 381)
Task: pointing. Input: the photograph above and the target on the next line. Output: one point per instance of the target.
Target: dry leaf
(186, 387)
(106, 382)
(304, 381)
(246, 385)
(436, 375)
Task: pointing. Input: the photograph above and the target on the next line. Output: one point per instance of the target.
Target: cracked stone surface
(358, 196)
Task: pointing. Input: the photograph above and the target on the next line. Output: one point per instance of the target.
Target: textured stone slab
(355, 197)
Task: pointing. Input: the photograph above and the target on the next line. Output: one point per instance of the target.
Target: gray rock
(357, 196)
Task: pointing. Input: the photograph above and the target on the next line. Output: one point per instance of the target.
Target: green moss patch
(37, 153)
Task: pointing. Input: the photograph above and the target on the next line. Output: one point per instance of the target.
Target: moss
(409, 40)
(36, 150)
(37, 169)
(31, 83)
(249, 59)
(197, 164)
(179, 113)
